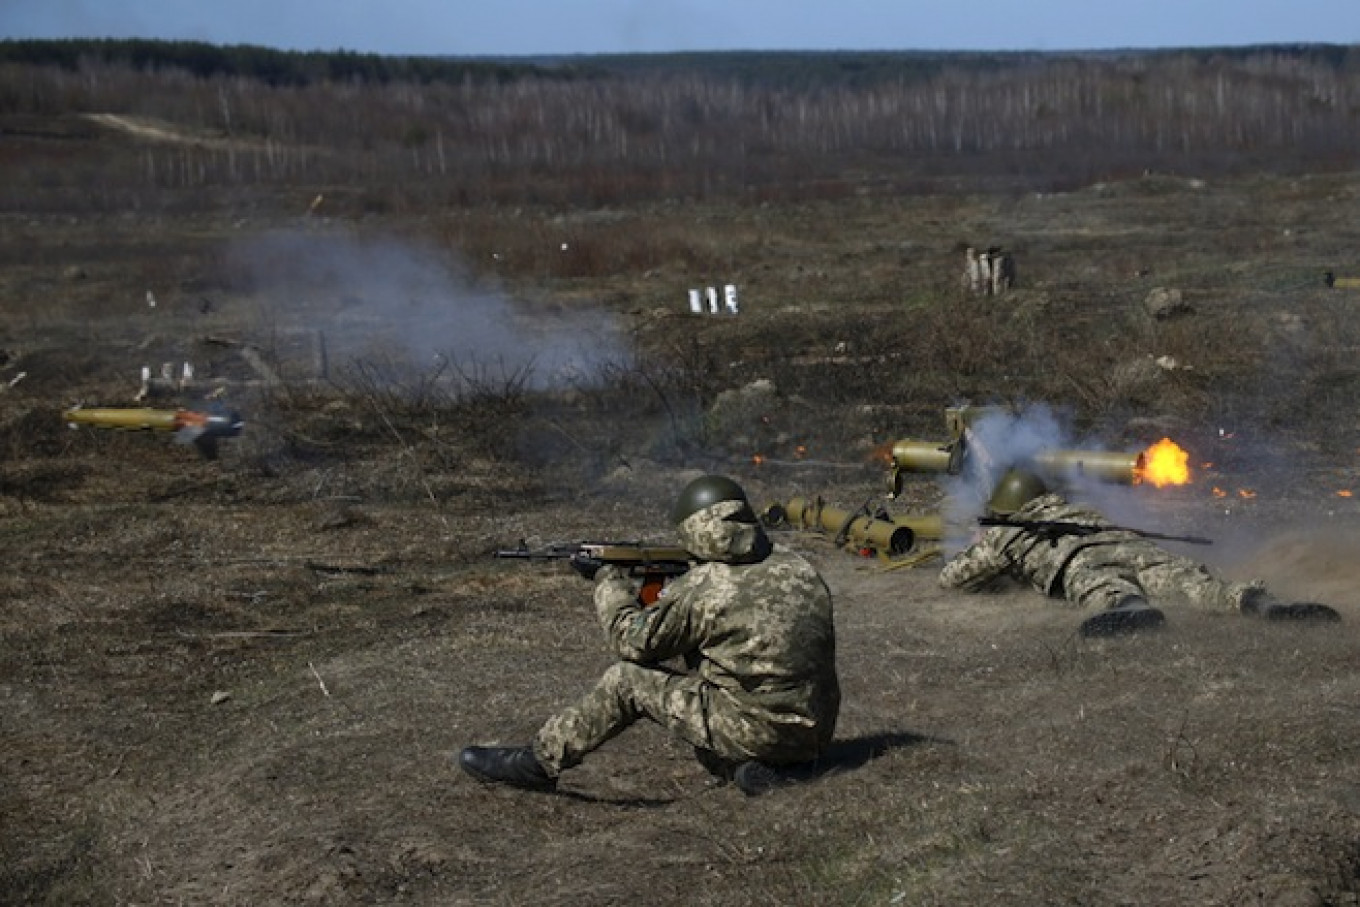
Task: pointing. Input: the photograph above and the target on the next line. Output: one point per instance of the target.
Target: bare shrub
(471, 405)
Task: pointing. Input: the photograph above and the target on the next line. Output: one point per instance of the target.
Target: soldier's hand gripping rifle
(1052, 530)
(654, 565)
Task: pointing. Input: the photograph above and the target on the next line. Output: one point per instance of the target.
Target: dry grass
(330, 572)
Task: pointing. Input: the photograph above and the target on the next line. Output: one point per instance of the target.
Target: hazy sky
(521, 27)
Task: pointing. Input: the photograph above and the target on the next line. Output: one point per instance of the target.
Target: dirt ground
(243, 680)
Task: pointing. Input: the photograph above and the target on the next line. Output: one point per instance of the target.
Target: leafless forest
(624, 130)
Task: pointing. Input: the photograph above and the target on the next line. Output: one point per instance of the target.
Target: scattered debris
(1163, 302)
(990, 272)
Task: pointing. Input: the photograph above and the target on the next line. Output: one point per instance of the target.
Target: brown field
(241, 680)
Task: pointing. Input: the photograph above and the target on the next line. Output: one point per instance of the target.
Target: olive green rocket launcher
(950, 456)
(881, 533)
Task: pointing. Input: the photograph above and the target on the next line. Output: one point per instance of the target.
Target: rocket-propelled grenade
(953, 456)
(965, 452)
(1100, 465)
(1106, 466)
(127, 419)
(200, 427)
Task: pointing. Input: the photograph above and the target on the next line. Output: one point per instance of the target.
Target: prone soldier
(1103, 568)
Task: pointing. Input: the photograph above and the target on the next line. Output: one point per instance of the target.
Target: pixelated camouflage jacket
(753, 619)
(1002, 552)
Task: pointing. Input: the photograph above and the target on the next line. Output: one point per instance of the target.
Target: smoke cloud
(998, 441)
(393, 302)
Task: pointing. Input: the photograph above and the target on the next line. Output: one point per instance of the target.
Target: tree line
(268, 65)
(610, 129)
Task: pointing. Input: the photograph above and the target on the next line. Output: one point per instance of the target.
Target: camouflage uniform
(1094, 571)
(753, 621)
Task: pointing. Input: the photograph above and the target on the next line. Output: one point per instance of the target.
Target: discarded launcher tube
(891, 535)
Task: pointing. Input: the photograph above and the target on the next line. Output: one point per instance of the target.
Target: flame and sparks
(1165, 463)
(1344, 493)
(882, 454)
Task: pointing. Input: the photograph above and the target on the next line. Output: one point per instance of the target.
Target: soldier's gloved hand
(586, 565)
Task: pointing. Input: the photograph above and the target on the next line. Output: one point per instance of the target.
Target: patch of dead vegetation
(241, 681)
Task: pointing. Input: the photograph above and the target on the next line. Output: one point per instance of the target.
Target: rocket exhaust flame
(881, 454)
(1164, 463)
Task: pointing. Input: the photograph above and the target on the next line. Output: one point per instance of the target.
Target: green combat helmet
(706, 491)
(1016, 489)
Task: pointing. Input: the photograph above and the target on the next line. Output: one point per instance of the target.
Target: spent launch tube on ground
(894, 535)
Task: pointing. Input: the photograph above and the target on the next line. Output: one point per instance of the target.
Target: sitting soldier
(752, 622)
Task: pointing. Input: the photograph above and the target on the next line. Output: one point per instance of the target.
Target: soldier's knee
(624, 679)
(616, 676)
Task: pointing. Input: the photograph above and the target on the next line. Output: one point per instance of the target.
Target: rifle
(655, 565)
(1052, 530)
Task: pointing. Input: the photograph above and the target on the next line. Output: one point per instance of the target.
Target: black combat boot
(755, 778)
(721, 769)
(1129, 615)
(1260, 603)
(513, 765)
(750, 777)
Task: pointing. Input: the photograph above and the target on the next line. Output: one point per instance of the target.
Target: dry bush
(37, 430)
(1308, 376)
(473, 405)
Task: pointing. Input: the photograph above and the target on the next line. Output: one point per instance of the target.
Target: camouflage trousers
(1098, 576)
(687, 706)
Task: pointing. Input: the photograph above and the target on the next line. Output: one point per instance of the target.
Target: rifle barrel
(1067, 527)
